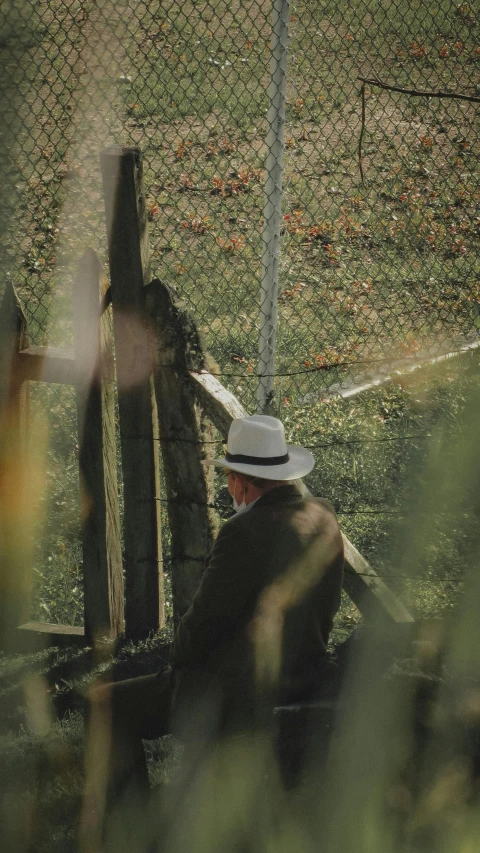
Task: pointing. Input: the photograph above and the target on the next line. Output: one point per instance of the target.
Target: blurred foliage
(57, 582)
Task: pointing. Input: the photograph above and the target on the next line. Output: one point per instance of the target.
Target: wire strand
(217, 506)
(334, 443)
(392, 364)
(369, 440)
(389, 363)
(372, 512)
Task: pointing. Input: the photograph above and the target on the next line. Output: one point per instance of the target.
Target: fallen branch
(362, 130)
(415, 93)
(418, 93)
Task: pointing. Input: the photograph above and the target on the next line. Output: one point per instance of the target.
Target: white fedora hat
(256, 446)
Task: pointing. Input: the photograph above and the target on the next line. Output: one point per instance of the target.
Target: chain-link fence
(369, 270)
(375, 222)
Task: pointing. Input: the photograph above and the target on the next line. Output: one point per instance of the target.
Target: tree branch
(418, 92)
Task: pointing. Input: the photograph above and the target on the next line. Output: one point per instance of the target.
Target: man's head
(258, 457)
(244, 488)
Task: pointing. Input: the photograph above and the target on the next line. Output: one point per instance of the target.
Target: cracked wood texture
(129, 260)
(183, 432)
(102, 553)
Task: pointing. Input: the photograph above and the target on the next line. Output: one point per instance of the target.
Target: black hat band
(257, 460)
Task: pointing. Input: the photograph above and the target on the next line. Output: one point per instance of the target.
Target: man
(265, 606)
(257, 630)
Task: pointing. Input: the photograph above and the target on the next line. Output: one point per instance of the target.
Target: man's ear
(243, 480)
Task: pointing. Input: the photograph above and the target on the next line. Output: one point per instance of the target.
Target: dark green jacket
(276, 569)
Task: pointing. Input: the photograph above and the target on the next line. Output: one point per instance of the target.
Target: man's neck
(254, 493)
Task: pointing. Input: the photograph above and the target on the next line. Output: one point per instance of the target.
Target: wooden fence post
(183, 433)
(102, 553)
(13, 338)
(16, 500)
(129, 259)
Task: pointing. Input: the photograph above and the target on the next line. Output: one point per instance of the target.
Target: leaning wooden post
(183, 433)
(16, 498)
(102, 552)
(129, 258)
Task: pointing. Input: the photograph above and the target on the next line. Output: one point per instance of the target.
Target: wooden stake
(102, 553)
(17, 515)
(183, 432)
(13, 337)
(129, 271)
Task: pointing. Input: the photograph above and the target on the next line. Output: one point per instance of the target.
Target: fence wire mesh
(380, 228)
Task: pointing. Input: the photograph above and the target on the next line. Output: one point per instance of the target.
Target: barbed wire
(339, 442)
(392, 364)
(375, 512)
(338, 511)
(335, 443)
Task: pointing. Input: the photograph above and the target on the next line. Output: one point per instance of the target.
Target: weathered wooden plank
(183, 433)
(46, 364)
(219, 404)
(102, 552)
(129, 260)
(33, 636)
(375, 601)
(53, 628)
(56, 365)
(16, 516)
(368, 592)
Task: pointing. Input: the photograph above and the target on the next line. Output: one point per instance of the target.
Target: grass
(189, 86)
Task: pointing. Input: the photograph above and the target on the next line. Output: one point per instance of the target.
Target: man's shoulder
(293, 497)
(277, 509)
(273, 507)
(324, 503)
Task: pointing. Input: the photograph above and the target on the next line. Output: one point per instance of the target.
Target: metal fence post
(273, 204)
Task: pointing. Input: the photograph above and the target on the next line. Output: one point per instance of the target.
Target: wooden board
(129, 261)
(219, 404)
(35, 636)
(56, 365)
(102, 553)
(368, 592)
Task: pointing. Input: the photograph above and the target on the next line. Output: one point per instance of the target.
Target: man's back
(277, 566)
